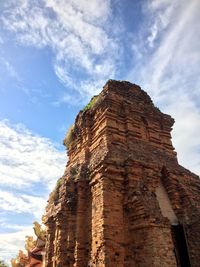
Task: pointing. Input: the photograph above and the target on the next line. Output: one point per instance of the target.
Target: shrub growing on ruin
(91, 103)
(54, 195)
(69, 136)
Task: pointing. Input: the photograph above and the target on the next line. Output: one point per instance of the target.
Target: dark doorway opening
(180, 243)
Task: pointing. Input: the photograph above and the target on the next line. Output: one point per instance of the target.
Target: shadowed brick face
(123, 189)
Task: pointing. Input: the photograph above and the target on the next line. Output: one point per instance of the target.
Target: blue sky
(55, 55)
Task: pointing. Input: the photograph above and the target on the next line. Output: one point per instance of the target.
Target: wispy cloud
(5, 64)
(27, 158)
(22, 203)
(78, 34)
(10, 243)
(170, 71)
(164, 11)
(29, 165)
(174, 56)
(1, 40)
(186, 130)
(4, 224)
(66, 98)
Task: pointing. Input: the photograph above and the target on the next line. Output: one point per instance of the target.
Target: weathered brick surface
(109, 212)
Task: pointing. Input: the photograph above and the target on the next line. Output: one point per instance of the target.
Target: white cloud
(93, 86)
(170, 71)
(4, 224)
(22, 203)
(5, 64)
(71, 100)
(10, 243)
(77, 32)
(175, 56)
(160, 16)
(186, 131)
(27, 158)
(91, 12)
(1, 40)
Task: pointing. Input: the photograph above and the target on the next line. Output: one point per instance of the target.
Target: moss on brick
(91, 103)
(69, 136)
(54, 195)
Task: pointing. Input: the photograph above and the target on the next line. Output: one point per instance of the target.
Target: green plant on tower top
(69, 136)
(91, 103)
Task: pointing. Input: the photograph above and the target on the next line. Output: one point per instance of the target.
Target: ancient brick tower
(124, 201)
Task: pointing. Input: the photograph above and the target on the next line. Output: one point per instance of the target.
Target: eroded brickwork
(107, 211)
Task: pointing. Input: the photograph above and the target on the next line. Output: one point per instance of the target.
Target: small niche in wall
(144, 128)
(165, 204)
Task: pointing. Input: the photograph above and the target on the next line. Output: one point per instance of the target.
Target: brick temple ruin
(123, 201)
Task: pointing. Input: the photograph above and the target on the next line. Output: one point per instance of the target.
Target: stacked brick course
(123, 189)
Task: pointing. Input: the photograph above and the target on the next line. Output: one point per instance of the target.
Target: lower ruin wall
(114, 219)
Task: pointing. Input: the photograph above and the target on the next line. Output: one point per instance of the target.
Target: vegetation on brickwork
(69, 136)
(157, 108)
(71, 132)
(74, 170)
(91, 103)
(54, 195)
